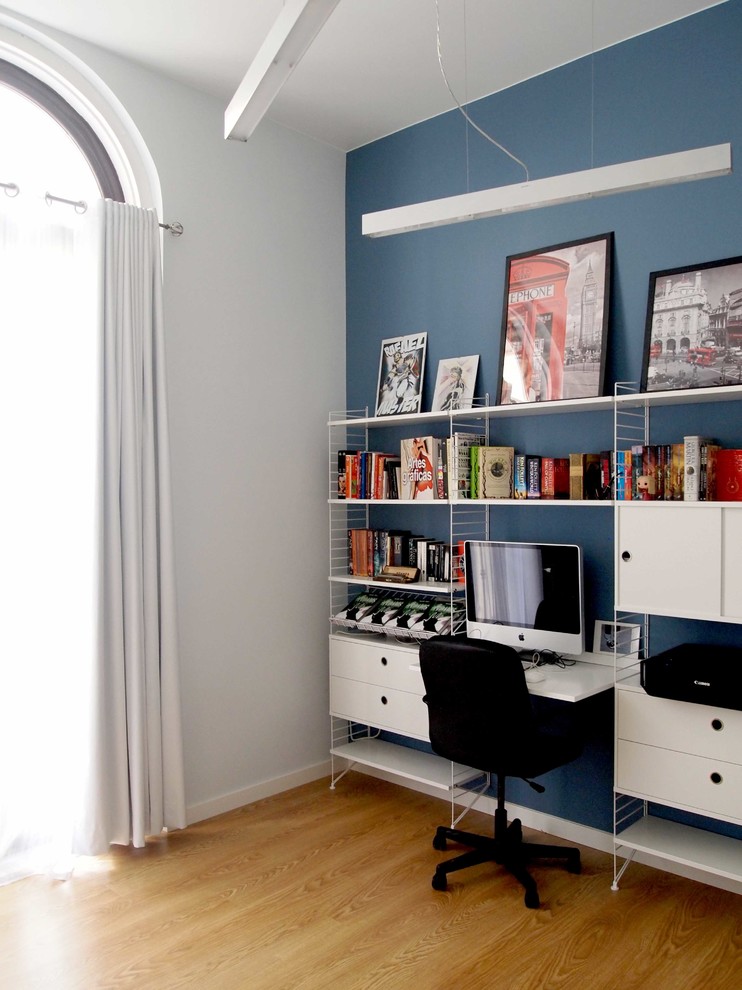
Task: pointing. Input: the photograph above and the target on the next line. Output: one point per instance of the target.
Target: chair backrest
(479, 709)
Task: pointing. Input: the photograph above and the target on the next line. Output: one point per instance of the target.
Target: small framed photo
(555, 322)
(454, 385)
(623, 638)
(401, 369)
(693, 334)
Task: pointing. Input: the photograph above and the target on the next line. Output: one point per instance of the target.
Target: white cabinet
(688, 756)
(679, 559)
(378, 683)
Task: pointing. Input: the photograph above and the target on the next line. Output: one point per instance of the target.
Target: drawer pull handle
(717, 725)
(384, 661)
(716, 777)
(384, 700)
(626, 556)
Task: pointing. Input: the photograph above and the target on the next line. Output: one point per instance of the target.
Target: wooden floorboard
(316, 889)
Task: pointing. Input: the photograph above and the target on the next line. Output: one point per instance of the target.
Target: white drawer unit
(379, 685)
(684, 755)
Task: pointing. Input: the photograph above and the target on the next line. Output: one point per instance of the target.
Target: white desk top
(581, 680)
(575, 683)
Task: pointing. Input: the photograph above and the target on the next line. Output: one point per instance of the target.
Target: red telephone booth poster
(555, 319)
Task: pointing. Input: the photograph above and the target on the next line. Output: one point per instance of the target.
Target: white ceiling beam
(294, 30)
(684, 166)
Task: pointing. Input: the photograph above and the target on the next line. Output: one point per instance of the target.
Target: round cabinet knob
(626, 556)
(717, 725)
(384, 661)
(384, 700)
(716, 777)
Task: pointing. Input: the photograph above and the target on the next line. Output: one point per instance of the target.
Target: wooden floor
(331, 889)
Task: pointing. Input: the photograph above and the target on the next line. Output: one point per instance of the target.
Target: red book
(729, 475)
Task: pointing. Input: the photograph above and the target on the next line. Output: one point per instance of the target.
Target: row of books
(371, 550)
(691, 471)
(401, 612)
(464, 466)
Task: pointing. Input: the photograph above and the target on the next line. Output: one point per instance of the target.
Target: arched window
(49, 142)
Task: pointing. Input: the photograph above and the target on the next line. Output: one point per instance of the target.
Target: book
(577, 464)
(729, 475)
(401, 369)
(343, 456)
(607, 474)
(561, 477)
(648, 481)
(420, 458)
(547, 477)
(533, 476)
(496, 472)
(592, 481)
(474, 470)
(520, 487)
(386, 607)
(692, 451)
(359, 606)
(411, 613)
(460, 463)
(441, 618)
(676, 473)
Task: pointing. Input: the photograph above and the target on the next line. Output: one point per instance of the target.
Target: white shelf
(551, 408)
(412, 764)
(426, 587)
(694, 847)
(554, 407)
(472, 502)
(717, 393)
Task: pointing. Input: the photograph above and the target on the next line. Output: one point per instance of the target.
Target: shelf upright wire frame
(631, 426)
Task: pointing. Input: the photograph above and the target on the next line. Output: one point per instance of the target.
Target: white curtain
(90, 743)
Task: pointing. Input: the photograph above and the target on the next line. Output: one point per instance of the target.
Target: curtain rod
(12, 190)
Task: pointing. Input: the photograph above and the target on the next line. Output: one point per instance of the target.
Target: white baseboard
(256, 792)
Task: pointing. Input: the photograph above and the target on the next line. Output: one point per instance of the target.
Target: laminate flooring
(315, 889)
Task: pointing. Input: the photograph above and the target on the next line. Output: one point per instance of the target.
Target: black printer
(704, 675)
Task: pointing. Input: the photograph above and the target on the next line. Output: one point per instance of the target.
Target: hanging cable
(453, 97)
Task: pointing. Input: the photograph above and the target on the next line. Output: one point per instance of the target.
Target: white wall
(255, 323)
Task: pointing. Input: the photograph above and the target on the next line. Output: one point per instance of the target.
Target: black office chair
(480, 714)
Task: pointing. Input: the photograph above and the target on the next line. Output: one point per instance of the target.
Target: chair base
(507, 849)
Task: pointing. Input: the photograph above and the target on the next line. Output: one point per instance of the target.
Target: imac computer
(525, 595)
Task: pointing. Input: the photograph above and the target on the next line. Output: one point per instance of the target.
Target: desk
(376, 682)
(581, 680)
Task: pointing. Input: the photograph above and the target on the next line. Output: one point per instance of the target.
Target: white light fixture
(293, 32)
(684, 166)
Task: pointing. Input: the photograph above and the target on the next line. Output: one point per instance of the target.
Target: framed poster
(454, 385)
(401, 368)
(622, 637)
(555, 322)
(693, 335)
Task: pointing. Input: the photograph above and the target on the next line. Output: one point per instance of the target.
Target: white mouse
(534, 674)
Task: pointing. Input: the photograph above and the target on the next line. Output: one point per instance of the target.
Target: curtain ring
(10, 188)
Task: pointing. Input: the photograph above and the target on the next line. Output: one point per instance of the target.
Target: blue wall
(676, 88)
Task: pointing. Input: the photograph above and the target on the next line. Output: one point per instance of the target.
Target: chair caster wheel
(439, 843)
(439, 881)
(532, 899)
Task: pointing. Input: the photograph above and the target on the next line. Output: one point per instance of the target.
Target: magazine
(401, 370)
(454, 386)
